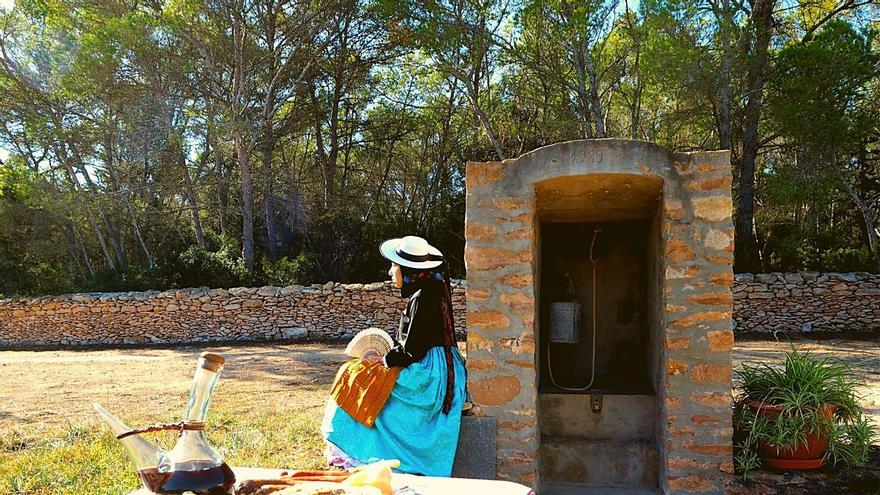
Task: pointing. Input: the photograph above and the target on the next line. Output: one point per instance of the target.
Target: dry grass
(266, 411)
(88, 460)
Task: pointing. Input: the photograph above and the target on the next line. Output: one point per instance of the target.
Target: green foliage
(804, 384)
(802, 388)
(131, 279)
(819, 85)
(798, 230)
(355, 120)
(794, 248)
(284, 271)
(199, 267)
(850, 442)
(30, 233)
(15, 181)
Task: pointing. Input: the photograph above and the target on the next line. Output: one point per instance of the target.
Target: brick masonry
(328, 311)
(694, 300)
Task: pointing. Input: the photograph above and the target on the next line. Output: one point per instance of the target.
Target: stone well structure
(657, 415)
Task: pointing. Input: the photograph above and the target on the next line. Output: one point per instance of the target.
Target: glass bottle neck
(203, 385)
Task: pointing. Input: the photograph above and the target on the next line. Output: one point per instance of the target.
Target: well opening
(623, 357)
(598, 256)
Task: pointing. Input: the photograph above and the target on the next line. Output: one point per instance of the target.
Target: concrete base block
(475, 456)
(623, 417)
(598, 463)
(576, 489)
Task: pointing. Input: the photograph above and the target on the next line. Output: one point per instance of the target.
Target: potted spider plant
(800, 415)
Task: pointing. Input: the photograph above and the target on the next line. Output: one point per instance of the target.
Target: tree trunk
(111, 263)
(70, 240)
(747, 258)
(85, 253)
(868, 218)
(247, 204)
(725, 21)
(598, 115)
(242, 151)
(267, 133)
(191, 199)
(211, 133)
(583, 98)
(332, 158)
(222, 191)
(112, 233)
(484, 120)
(636, 111)
(137, 231)
(86, 202)
(381, 185)
(724, 124)
(320, 152)
(125, 195)
(271, 228)
(115, 241)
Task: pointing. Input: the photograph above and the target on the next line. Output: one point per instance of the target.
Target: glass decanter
(192, 465)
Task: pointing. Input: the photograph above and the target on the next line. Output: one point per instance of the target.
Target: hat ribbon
(418, 258)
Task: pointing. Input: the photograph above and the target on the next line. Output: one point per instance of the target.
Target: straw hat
(412, 252)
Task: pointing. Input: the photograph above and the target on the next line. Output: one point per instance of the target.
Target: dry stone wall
(806, 302)
(765, 302)
(329, 311)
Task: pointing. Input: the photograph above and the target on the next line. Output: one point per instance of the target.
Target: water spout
(143, 453)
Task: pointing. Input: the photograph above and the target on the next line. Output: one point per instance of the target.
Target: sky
(5, 4)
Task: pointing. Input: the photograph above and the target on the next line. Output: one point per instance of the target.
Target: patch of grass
(87, 460)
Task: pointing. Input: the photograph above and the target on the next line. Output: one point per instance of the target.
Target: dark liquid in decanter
(198, 477)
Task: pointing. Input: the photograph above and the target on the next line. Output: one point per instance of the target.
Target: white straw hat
(411, 252)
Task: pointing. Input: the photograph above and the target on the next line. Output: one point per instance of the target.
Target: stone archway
(681, 206)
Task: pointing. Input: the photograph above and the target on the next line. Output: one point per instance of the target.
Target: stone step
(600, 463)
(475, 455)
(622, 417)
(579, 489)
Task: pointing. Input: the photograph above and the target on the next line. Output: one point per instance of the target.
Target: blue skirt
(411, 427)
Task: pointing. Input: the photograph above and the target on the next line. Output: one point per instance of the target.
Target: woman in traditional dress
(420, 419)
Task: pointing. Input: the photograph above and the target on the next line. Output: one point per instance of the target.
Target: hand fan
(369, 340)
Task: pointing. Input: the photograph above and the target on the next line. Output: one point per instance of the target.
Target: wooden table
(420, 485)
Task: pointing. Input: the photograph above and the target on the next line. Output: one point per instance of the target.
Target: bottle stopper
(211, 361)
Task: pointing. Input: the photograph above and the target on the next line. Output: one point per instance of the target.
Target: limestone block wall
(765, 302)
(806, 302)
(331, 310)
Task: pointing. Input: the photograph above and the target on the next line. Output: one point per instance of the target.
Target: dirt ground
(57, 387)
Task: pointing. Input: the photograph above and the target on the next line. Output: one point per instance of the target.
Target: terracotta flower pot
(806, 455)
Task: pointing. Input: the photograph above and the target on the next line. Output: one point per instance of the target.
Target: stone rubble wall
(764, 302)
(806, 302)
(329, 311)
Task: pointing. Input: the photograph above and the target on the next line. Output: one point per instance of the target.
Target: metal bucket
(565, 322)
